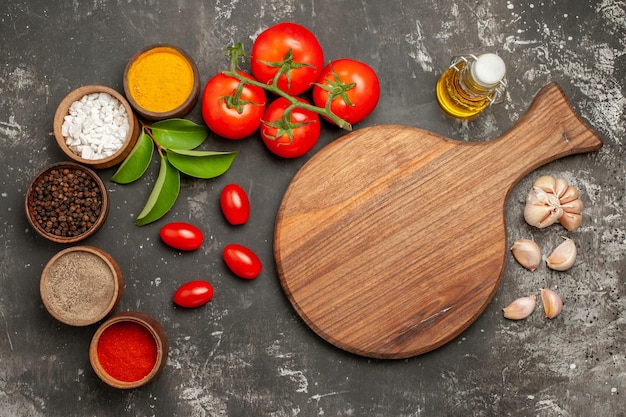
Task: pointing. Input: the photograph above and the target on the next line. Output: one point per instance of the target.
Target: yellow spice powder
(160, 80)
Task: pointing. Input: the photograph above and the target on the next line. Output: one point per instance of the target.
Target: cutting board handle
(549, 130)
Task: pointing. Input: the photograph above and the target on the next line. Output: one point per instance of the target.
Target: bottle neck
(466, 81)
(463, 65)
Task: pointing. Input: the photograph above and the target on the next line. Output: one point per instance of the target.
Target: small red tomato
(182, 236)
(193, 294)
(235, 204)
(242, 261)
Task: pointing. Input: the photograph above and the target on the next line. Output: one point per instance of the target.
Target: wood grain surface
(391, 241)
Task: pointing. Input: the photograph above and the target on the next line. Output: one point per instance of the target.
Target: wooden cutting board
(391, 240)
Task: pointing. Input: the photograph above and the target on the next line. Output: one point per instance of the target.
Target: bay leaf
(137, 161)
(179, 133)
(163, 195)
(201, 164)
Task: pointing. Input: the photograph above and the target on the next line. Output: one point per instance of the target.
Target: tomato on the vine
(291, 48)
(235, 204)
(232, 115)
(354, 88)
(292, 138)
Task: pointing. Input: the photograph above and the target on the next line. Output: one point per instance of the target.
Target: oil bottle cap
(488, 70)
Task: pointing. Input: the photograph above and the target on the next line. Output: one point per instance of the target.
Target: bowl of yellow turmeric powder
(161, 82)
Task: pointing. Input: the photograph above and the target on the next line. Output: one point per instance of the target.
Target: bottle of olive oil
(470, 84)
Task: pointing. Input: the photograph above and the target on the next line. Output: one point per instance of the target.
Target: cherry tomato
(181, 235)
(357, 86)
(293, 142)
(235, 204)
(242, 261)
(193, 294)
(236, 122)
(274, 46)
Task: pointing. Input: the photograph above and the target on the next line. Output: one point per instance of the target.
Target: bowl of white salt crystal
(95, 126)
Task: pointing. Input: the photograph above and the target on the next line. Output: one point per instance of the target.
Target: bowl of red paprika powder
(129, 350)
(66, 202)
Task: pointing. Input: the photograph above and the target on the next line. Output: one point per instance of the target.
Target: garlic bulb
(527, 253)
(552, 303)
(563, 257)
(520, 308)
(551, 200)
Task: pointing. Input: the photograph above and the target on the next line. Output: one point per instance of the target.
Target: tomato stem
(236, 52)
(284, 126)
(294, 101)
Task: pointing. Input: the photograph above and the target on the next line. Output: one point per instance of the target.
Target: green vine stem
(148, 131)
(235, 53)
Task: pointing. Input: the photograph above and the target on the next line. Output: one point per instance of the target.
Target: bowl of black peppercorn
(66, 202)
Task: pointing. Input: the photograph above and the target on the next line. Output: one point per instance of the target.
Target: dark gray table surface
(247, 353)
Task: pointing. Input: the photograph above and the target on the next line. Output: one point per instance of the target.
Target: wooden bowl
(63, 110)
(166, 76)
(140, 359)
(55, 228)
(81, 285)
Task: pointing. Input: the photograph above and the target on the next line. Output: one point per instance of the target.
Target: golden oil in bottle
(471, 84)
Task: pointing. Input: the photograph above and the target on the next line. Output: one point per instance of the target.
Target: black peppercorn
(66, 202)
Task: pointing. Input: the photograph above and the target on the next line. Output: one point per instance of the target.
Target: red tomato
(286, 141)
(356, 85)
(242, 261)
(236, 122)
(275, 44)
(181, 235)
(235, 204)
(193, 294)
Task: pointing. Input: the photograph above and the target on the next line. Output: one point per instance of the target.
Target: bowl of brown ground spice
(161, 82)
(66, 202)
(81, 285)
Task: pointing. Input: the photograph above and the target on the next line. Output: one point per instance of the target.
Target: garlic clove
(570, 194)
(540, 214)
(570, 221)
(546, 182)
(552, 303)
(520, 308)
(575, 206)
(562, 258)
(560, 187)
(527, 253)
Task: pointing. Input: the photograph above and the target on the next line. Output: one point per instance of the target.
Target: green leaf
(137, 161)
(179, 133)
(163, 195)
(201, 164)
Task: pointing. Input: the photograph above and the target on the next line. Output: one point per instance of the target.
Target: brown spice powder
(79, 288)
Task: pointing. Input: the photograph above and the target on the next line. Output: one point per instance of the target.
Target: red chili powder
(127, 351)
